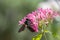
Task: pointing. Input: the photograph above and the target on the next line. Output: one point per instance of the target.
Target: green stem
(45, 36)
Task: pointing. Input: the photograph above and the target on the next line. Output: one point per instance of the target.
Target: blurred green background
(11, 11)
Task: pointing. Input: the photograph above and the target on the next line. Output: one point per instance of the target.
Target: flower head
(39, 15)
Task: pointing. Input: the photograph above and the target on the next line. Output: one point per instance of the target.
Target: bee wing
(22, 28)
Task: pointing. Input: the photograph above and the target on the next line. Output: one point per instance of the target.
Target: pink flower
(22, 21)
(44, 14)
(38, 15)
(35, 27)
(34, 13)
(31, 17)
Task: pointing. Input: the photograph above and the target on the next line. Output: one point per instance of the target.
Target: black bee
(27, 24)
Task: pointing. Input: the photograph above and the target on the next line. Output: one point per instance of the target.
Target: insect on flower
(27, 24)
(31, 20)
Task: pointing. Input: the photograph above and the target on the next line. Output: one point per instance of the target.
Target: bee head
(27, 21)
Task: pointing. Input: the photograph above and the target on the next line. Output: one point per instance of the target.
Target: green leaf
(38, 37)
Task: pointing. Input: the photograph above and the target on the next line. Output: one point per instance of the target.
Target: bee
(27, 24)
